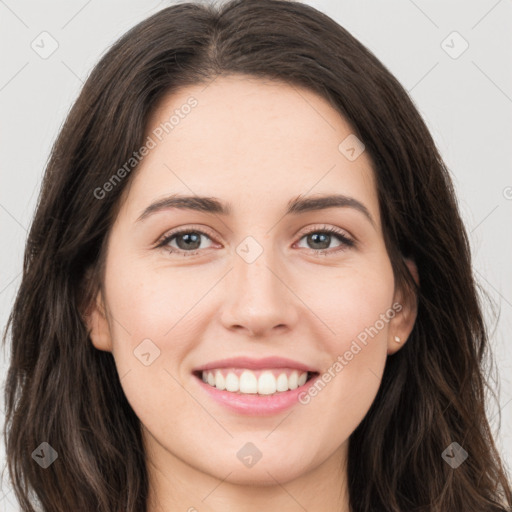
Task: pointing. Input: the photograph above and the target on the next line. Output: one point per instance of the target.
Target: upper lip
(255, 364)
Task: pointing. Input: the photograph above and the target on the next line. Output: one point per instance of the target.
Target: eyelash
(346, 242)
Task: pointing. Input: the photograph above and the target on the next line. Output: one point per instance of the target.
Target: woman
(319, 344)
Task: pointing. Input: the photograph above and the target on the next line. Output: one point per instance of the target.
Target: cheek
(155, 303)
(357, 307)
(355, 302)
(153, 316)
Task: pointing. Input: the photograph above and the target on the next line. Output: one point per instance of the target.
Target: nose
(259, 298)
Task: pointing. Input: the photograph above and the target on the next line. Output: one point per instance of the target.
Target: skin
(257, 145)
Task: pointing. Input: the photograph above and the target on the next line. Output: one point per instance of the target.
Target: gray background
(466, 101)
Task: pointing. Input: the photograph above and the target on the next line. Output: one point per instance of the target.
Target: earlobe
(403, 322)
(97, 324)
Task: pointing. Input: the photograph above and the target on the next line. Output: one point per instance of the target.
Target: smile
(261, 382)
(249, 401)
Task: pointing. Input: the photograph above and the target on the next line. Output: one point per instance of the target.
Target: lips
(255, 364)
(263, 401)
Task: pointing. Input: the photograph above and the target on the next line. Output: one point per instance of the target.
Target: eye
(322, 238)
(187, 241)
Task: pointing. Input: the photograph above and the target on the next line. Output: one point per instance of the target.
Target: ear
(97, 324)
(405, 304)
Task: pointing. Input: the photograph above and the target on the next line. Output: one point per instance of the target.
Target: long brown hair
(61, 390)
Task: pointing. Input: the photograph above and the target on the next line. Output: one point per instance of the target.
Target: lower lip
(253, 404)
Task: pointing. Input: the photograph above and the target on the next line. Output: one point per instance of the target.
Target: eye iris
(315, 239)
(191, 240)
(194, 238)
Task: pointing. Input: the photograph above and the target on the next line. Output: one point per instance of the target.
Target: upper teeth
(248, 382)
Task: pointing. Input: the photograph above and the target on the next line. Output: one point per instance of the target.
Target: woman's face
(256, 281)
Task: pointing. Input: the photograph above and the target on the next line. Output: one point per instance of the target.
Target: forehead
(245, 139)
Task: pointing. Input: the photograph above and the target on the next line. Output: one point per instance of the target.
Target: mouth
(264, 382)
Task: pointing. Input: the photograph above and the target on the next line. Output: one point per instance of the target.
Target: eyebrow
(295, 206)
